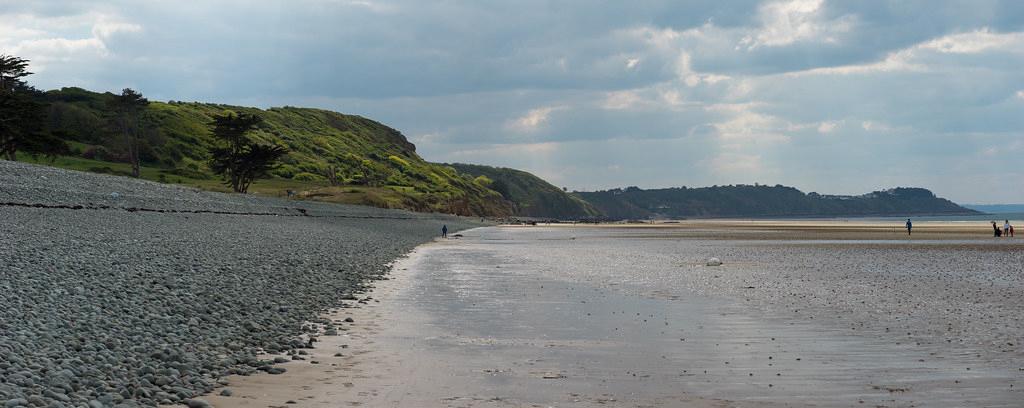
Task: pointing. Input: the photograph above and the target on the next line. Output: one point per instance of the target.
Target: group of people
(1007, 230)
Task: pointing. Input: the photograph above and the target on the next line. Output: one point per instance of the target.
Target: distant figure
(444, 231)
(996, 232)
(1006, 228)
(1011, 231)
(909, 226)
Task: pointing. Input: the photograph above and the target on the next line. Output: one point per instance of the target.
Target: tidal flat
(808, 313)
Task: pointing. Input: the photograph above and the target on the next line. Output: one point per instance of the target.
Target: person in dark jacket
(444, 231)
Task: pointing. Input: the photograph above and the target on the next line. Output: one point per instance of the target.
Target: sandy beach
(801, 313)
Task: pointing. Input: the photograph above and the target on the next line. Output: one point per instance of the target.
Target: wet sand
(630, 316)
(805, 229)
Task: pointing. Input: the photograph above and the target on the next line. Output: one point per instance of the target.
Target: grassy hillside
(530, 195)
(764, 201)
(374, 164)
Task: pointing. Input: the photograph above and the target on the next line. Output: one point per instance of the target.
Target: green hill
(350, 159)
(530, 195)
(764, 201)
(373, 164)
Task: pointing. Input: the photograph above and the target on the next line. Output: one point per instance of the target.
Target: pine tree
(240, 159)
(128, 108)
(22, 116)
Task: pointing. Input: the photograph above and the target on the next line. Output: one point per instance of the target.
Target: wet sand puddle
(556, 318)
(511, 317)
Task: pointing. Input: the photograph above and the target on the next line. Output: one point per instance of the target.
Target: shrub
(187, 172)
(402, 164)
(307, 177)
(285, 171)
(483, 181)
(95, 153)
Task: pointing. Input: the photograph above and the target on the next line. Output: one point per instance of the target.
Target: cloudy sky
(828, 96)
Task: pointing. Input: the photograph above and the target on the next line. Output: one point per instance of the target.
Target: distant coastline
(997, 208)
(762, 201)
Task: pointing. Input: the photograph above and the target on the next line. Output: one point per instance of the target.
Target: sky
(837, 97)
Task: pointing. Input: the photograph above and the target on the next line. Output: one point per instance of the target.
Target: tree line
(239, 158)
(763, 201)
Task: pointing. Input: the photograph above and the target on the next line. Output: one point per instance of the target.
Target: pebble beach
(120, 293)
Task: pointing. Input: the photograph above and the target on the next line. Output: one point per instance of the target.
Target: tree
(128, 108)
(241, 160)
(22, 116)
(12, 69)
(332, 175)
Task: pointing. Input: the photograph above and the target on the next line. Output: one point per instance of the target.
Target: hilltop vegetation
(331, 156)
(763, 201)
(530, 195)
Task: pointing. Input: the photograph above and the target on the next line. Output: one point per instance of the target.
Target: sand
(806, 313)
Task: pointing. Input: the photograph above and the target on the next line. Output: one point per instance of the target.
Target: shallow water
(596, 317)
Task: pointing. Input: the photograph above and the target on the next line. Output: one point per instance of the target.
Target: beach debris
(714, 262)
(197, 403)
(552, 376)
(115, 195)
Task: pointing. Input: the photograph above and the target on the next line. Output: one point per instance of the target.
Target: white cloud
(1020, 94)
(619, 100)
(873, 126)
(429, 138)
(976, 41)
(498, 150)
(899, 61)
(692, 78)
(103, 29)
(47, 40)
(827, 127)
(788, 22)
(534, 119)
(745, 128)
(632, 63)
(913, 59)
(47, 50)
(672, 97)
(664, 39)
(733, 166)
(374, 6)
(10, 33)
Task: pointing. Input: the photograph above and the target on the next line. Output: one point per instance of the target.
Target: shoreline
(808, 229)
(321, 376)
(387, 361)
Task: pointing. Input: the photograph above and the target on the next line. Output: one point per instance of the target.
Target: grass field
(384, 196)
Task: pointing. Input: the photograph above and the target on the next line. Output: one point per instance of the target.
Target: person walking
(1006, 228)
(910, 226)
(444, 231)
